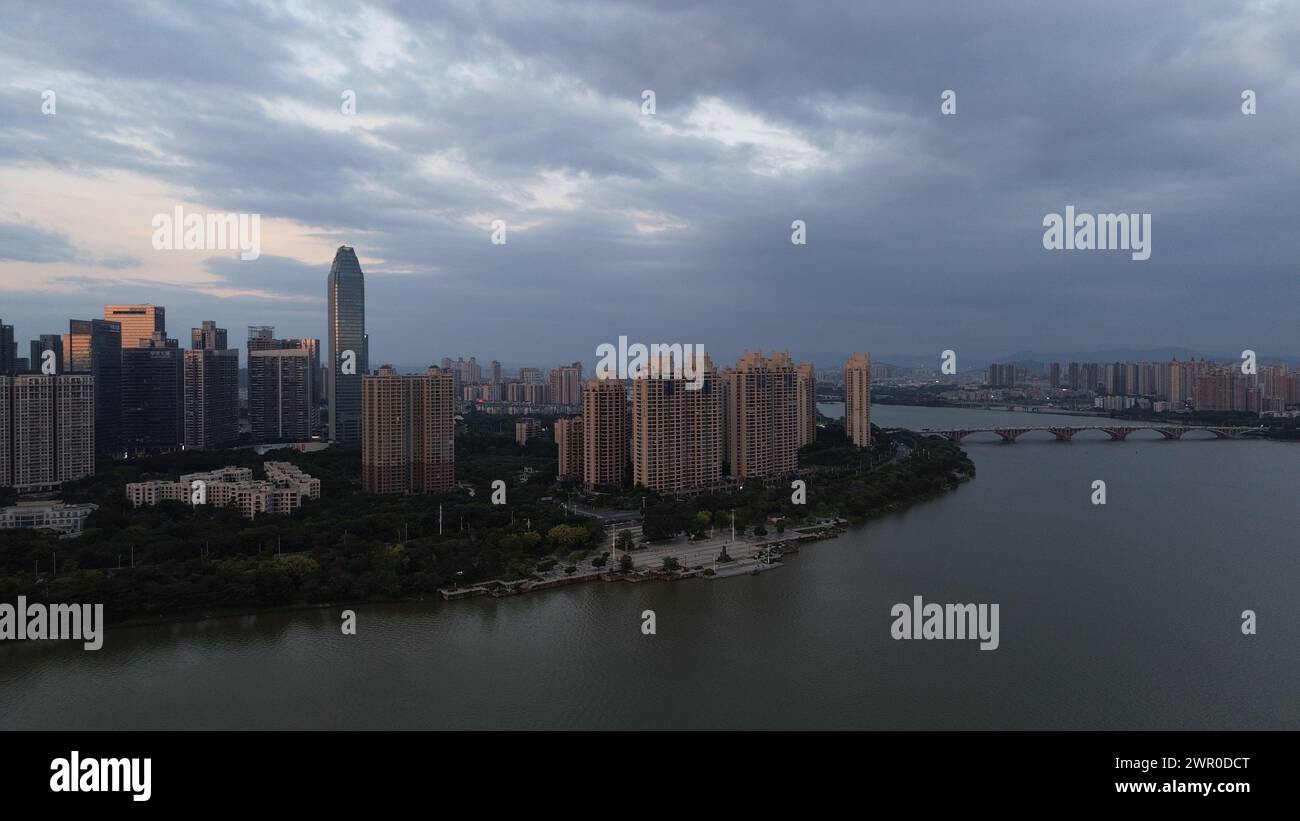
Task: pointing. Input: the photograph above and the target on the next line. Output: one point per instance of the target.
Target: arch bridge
(1064, 433)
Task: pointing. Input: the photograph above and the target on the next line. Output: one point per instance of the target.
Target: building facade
(348, 346)
(857, 399)
(605, 434)
(211, 400)
(676, 431)
(408, 442)
(568, 436)
(762, 417)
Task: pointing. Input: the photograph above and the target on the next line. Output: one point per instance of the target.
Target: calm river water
(1126, 615)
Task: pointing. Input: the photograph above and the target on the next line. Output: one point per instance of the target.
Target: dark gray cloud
(924, 231)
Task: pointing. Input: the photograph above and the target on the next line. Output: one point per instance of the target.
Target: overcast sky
(924, 231)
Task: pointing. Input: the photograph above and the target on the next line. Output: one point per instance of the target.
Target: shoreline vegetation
(194, 563)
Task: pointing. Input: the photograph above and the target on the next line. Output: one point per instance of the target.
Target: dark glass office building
(153, 395)
(349, 357)
(94, 346)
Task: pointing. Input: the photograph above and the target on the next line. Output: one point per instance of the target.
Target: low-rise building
(281, 493)
(67, 519)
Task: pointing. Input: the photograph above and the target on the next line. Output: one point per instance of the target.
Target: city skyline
(925, 229)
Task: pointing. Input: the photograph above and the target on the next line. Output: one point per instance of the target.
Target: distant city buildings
(348, 346)
(281, 493)
(566, 384)
(408, 432)
(857, 399)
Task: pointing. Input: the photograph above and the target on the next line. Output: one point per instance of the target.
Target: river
(1118, 616)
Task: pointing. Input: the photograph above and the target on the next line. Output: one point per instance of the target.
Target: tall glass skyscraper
(349, 357)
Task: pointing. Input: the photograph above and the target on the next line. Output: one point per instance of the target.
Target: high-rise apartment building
(857, 399)
(153, 395)
(47, 430)
(408, 442)
(139, 322)
(676, 430)
(281, 383)
(604, 432)
(208, 337)
(566, 384)
(762, 417)
(568, 435)
(94, 346)
(211, 409)
(282, 386)
(348, 346)
(806, 388)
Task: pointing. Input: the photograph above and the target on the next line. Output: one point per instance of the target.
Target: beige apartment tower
(762, 417)
(604, 433)
(806, 387)
(857, 399)
(408, 436)
(568, 435)
(676, 431)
